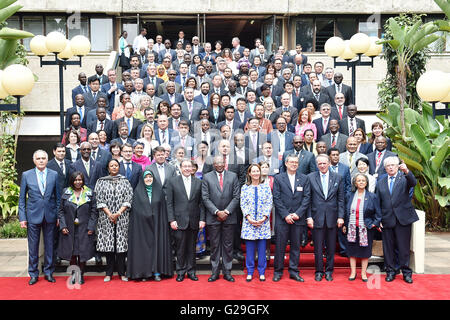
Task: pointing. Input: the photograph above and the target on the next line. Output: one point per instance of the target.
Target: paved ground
(13, 256)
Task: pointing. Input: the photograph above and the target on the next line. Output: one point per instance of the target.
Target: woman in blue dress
(256, 205)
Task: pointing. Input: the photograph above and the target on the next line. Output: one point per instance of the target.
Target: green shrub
(12, 230)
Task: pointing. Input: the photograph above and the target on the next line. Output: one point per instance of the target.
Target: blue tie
(325, 185)
(81, 114)
(42, 186)
(391, 184)
(129, 126)
(128, 172)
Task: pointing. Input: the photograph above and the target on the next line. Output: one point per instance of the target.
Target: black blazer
(371, 211)
(332, 207)
(95, 171)
(134, 129)
(186, 212)
(69, 157)
(109, 127)
(318, 122)
(136, 173)
(286, 201)
(346, 90)
(63, 179)
(73, 110)
(372, 157)
(221, 116)
(343, 125)
(397, 206)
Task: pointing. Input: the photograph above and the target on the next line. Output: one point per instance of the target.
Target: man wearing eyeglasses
(90, 168)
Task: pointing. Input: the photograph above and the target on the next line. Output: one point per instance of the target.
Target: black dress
(149, 249)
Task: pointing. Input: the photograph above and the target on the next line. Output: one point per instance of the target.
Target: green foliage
(12, 230)
(426, 151)
(9, 200)
(387, 89)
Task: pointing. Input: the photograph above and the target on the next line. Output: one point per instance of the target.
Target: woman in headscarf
(149, 252)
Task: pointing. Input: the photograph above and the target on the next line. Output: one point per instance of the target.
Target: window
(101, 34)
(13, 22)
(77, 26)
(304, 34)
(369, 28)
(346, 28)
(35, 25)
(55, 24)
(324, 31)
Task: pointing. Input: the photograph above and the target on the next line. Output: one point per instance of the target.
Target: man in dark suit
(186, 216)
(327, 201)
(122, 133)
(102, 123)
(101, 156)
(339, 87)
(236, 43)
(376, 158)
(183, 139)
(230, 120)
(38, 207)
(163, 134)
(150, 77)
(318, 93)
(99, 75)
(334, 138)
(254, 139)
(350, 123)
(190, 109)
(167, 50)
(81, 88)
(338, 109)
(90, 98)
(131, 121)
(220, 194)
(79, 108)
(290, 216)
(171, 96)
(161, 170)
(196, 47)
(91, 169)
(203, 97)
(129, 169)
(322, 123)
(280, 138)
(112, 89)
(398, 214)
(306, 159)
(274, 90)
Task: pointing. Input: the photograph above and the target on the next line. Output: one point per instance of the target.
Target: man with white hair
(38, 207)
(236, 43)
(398, 214)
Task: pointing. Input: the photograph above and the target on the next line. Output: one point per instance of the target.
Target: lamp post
(63, 49)
(17, 81)
(358, 45)
(434, 86)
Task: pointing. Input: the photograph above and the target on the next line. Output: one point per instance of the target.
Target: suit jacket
(178, 98)
(102, 157)
(371, 210)
(397, 206)
(73, 110)
(236, 124)
(103, 78)
(344, 128)
(323, 97)
(286, 201)
(344, 172)
(63, 179)
(276, 91)
(161, 54)
(196, 108)
(119, 141)
(373, 162)
(169, 172)
(136, 173)
(78, 90)
(162, 89)
(346, 90)
(185, 211)
(158, 82)
(172, 133)
(95, 171)
(343, 158)
(277, 113)
(247, 115)
(261, 138)
(109, 127)
(335, 112)
(215, 199)
(134, 129)
(235, 165)
(306, 164)
(273, 161)
(220, 118)
(189, 146)
(112, 96)
(89, 101)
(341, 141)
(275, 140)
(33, 206)
(326, 210)
(319, 126)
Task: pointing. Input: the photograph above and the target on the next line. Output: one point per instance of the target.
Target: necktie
(94, 155)
(324, 126)
(101, 125)
(351, 158)
(391, 184)
(339, 88)
(333, 141)
(86, 166)
(187, 186)
(152, 80)
(352, 128)
(128, 172)
(340, 112)
(329, 82)
(183, 141)
(221, 181)
(163, 136)
(225, 162)
(84, 89)
(61, 165)
(379, 159)
(184, 81)
(161, 174)
(94, 95)
(80, 111)
(254, 142)
(129, 126)
(325, 185)
(317, 97)
(42, 185)
(190, 109)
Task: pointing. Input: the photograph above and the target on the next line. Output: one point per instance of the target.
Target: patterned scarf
(85, 195)
(351, 235)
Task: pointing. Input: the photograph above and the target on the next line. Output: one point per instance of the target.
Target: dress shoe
(123, 278)
(107, 279)
(407, 279)
(58, 261)
(50, 278)
(318, 276)
(390, 277)
(81, 279)
(228, 277)
(276, 278)
(262, 278)
(352, 278)
(249, 278)
(158, 278)
(329, 277)
(296, 277)
(98, 260)
(193, 277)
(213, 278)
(33, 280)
(180, 277)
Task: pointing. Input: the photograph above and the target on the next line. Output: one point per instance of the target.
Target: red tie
(221, 181)
(225, 162)
(340, 112)
(333, 141)
(378, 159)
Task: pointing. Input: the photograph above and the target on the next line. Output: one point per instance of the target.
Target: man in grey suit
(220, 193)
(306, 159)
(376, 158)
(190, 109)
(351, 155)
(161, 170)
(91, 97)
(162, 88)
(350, 123)
(334, 139)
(186, 216)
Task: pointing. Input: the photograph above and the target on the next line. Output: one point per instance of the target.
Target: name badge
(299, 188)
(276, 170)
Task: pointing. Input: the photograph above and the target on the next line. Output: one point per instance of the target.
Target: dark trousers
(34, 234)
(115, 259)
(342, 238)
(237, 234)
(251, 247)
(185, 250)
(284, 233)
(321, 236)
(398, 238)
(221, 241)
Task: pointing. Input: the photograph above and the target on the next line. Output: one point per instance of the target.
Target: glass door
(271, 34)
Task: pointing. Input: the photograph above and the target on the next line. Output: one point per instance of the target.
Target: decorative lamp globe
(334, 47)
(38, 45)
(81, 45)
(359, 43)
(55, 42)
(374, 49)
(433, 86)
(17, 80)
(347, 54)
(67, 53)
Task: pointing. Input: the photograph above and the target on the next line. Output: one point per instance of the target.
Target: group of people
(230, 146)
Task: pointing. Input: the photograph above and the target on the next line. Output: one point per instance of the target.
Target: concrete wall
(233, 6)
